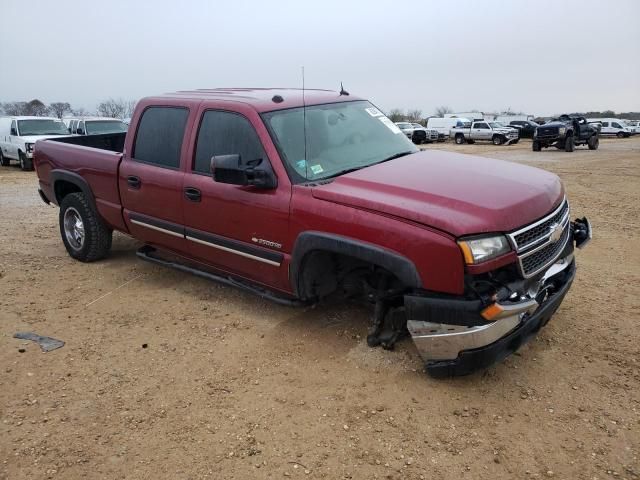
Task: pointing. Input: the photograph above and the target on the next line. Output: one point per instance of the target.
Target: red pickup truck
(303, 195)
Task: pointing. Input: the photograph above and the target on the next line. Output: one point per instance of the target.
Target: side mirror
(14, 131)
(229, 169)
(79, 131)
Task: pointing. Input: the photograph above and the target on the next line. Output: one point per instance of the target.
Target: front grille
(530, 236)
(537, 260)
(548, 132)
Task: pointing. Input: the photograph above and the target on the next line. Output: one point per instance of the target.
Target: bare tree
(114, 108)
(396, 115)
(36, 108)
(414, 116)
(130, 106)
(15, 108)
(80, 112)
(59, 108)
(441, 111)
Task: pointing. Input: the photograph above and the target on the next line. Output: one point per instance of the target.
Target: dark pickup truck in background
(566, 132)
(470, 256)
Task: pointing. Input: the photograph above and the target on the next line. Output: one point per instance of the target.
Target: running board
(145, 253)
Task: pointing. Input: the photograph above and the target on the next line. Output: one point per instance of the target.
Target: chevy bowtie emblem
(555, 233)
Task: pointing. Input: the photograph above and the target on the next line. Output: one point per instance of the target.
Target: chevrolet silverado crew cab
(18, 135)
(494, 132)
(301, 198)
(565, 132)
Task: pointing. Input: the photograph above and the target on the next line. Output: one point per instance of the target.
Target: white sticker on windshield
(373, 111)
(390, 125)
(316, 169)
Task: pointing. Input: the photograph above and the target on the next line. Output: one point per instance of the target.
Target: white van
(19, 134)
(472, 116)
(444, 125)
(96, 125)
(612, 126)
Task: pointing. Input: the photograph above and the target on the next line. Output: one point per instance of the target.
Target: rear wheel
(535, 146)
(26, 164)
(84, 234)
(593, 143)
(4, 161)
(569, 145)
(497, 140)
(459, 139)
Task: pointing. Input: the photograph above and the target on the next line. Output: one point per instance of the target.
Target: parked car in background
(19, 134)
(471, 256)
(566, 132)
(470, 115)
(423, 135)
(494, 132)
(444, 125)
(509, 119)
(406, 128)
(634, 125)
(526, 128)
(613, 126)
(96, 126)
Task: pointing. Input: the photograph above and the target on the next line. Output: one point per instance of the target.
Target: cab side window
(226, 133)
(616, 125)
(13, 130)
(482, 125)
(159, 136)
(605, 124)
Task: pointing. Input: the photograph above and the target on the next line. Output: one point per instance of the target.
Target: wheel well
(324, 273)
(62, 188)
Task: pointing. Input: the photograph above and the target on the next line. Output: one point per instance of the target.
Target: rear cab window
(160, 135)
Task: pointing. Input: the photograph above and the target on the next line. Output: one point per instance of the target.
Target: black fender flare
(309, 241)
(75, 179)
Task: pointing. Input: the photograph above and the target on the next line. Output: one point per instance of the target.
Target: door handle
(133, 181)
(193, 194)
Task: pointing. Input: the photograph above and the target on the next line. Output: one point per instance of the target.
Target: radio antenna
(304, 129)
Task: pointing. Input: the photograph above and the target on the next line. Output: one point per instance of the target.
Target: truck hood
(455, 193)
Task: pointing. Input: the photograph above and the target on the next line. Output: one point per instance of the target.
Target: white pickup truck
(484, 130)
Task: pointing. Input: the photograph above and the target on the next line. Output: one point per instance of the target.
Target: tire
(4, 161)
(459, 139)
(535, 146)
(497, 140)
(620, 135)
(593, 143)
(569, 145)
(84, 234)
(26, 164)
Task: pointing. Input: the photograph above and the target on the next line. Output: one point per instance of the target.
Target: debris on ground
(46, 343)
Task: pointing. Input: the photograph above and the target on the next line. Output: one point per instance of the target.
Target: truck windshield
(340, 137)
(41, 127)
(96, 127)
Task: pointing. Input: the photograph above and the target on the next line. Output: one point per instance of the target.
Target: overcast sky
(540, 57)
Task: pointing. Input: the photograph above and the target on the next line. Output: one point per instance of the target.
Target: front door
(238, 229)
(481, 131)
(151, 177)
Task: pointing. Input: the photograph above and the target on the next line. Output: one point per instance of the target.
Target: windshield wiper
(343, 172)
(394, 156)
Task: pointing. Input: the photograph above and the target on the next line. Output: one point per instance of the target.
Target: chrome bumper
(441, 341)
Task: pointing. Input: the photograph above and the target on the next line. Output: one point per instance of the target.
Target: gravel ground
(165, 375)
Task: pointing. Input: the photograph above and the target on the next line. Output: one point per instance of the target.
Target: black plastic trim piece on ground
(469, 361)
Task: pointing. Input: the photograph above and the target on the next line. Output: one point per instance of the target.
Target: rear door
(240, 229)
(151, 176)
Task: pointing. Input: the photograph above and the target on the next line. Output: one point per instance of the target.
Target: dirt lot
(232, 386)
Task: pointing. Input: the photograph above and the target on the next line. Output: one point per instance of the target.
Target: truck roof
(27, 117)
(263, 99)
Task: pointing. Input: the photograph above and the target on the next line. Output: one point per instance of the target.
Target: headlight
(28, 147)
(562, 130)
(480, 249)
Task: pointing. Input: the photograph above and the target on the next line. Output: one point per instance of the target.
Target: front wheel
(593, 143)
(4, 161)
(569, 145)
(84, 234)
(620, 135)
(535, 146)
(26, 164)
(497, 140)
(459, 139)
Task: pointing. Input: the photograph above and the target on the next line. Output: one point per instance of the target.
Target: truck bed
(94, 158)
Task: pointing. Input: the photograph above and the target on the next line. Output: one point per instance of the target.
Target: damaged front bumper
(454, 339)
